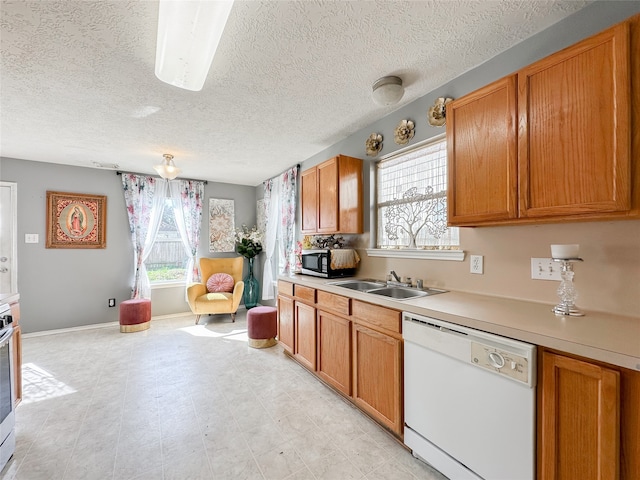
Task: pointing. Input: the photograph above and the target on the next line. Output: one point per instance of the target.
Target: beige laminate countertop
(600, 336)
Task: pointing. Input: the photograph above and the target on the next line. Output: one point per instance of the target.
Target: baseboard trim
(97, 325)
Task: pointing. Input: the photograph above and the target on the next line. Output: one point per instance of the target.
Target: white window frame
(453, 253)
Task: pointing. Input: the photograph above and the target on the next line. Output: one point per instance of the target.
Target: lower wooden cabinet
(588, 420)
(17, 353)
(377, 376)
(334, 351)
(304, 349)
(286, 323)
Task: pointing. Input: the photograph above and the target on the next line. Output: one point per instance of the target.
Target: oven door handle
(6, 335)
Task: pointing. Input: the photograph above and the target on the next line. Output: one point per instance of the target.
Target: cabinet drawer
(337, 303)
(376, 315)
(285, 288)
(305, 293)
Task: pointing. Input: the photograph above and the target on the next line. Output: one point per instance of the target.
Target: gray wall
(611, 249)
(63, 288)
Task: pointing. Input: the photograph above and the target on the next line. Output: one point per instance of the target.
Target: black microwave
(318, 263)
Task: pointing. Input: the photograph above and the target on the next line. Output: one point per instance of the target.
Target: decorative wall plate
(373, 144)
(437, 115)
(404, 132)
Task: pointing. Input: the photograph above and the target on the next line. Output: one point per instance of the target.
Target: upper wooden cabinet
(574, 142)
(331, 195)
(483, 163)
(569, 158)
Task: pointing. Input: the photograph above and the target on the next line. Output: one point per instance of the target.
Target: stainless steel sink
(403, 293)
(360, 285)
(380, 288)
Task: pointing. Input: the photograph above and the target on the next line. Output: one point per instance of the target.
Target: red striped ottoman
(262, 327)
(135, 315)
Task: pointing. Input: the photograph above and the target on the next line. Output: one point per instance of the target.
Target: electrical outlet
(477, 264)
(545, 269)
(112, 302)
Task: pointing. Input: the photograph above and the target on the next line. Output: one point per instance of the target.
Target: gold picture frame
(76, 220)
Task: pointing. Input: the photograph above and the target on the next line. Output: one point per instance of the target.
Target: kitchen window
(412, 200)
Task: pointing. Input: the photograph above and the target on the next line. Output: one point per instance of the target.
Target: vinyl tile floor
(183, 401)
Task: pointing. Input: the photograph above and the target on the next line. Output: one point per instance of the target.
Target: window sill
(171, 284)
(452, 255)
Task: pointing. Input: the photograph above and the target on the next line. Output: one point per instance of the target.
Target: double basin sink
(375, 287)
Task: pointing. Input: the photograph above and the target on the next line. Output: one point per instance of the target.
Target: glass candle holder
(566, 290)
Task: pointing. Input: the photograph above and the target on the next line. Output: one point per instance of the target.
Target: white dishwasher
(469, 400)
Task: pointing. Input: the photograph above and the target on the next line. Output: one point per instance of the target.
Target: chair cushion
(220, 282)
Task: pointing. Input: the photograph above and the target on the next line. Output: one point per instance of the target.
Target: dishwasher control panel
(500, 361)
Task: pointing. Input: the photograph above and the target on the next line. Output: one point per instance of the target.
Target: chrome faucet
(397, 281)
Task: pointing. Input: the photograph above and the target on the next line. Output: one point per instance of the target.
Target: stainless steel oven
(7, 413)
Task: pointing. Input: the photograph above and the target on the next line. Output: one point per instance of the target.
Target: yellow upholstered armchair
(203, 302)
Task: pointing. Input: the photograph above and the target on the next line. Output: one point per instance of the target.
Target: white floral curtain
(272, 207)
(186, 199)
(144, 198)
(288, 204)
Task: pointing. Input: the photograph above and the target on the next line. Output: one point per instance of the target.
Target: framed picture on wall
(222, 234)
(76, 220)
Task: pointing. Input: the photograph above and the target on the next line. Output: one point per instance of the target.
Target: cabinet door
(305, 333)
(286, 323)
(574, 137)
(350, 195)
(377, 376)
(482, 155)
(334, 351)
(309, 200)
(17, 353)
(328, 196)
(579, 420)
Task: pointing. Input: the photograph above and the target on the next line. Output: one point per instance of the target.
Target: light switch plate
(31, 238)
(545, 269)
(477, 264)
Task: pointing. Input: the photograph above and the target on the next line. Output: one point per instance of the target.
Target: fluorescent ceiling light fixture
(189, 32)
(388, 90)
(167, 169)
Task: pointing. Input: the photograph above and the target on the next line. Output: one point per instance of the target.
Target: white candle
(565, 251)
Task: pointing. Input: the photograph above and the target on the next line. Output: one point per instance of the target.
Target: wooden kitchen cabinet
(334, 351)
(377, 376)
(286, 315)
(309, 200)
(575, 110)
(305, 332)
(286, 323)
(574, 142)
(588, 419)
(483, 164)
(17, 352)
(331, 197)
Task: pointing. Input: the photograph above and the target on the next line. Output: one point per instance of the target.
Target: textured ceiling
(290, 78)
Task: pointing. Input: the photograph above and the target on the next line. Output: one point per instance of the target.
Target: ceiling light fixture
(188, 36)
(388, 90)
(167, 169)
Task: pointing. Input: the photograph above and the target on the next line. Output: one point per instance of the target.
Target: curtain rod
(297, 165)
(118, 172)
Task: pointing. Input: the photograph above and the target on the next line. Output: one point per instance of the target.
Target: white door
(8, 237)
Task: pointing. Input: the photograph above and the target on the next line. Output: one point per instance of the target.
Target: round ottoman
(262, 327)
(135, 315)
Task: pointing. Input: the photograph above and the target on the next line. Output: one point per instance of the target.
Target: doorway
(8, 237)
